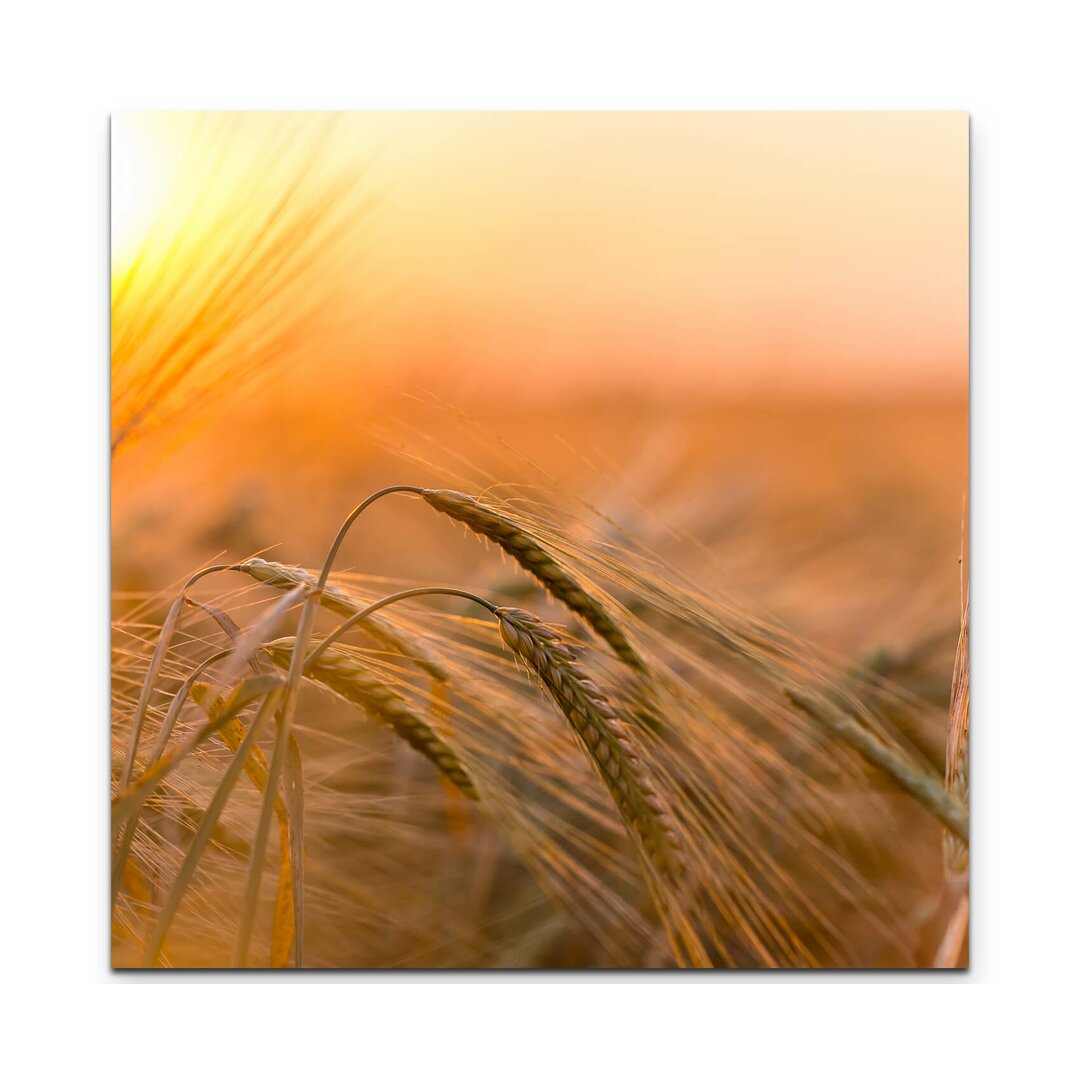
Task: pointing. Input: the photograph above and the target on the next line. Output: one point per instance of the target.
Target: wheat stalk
(245, 746)
(956, 853)
(956, 750)
(341, 670)
(234, 735)
(129, 799)
(525, 550)
(285, 761)
(601, 732)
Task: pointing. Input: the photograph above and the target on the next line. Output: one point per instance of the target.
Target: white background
(66, 67)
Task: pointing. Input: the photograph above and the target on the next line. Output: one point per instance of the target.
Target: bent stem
(284, 763)
(348, 624)
(347, 524)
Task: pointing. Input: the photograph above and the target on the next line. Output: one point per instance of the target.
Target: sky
(549, 253)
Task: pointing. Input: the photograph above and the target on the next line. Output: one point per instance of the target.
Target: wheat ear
(525, 550)
(337, 600)
(601, 732)
(949, 810)
(341, 671)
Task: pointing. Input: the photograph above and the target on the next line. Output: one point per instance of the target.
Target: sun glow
(144, 166)
(726, 254)
(228, 239)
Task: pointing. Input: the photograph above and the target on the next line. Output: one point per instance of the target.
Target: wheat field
(413, 669)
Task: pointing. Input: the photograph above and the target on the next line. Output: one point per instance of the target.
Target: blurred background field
(843, 520)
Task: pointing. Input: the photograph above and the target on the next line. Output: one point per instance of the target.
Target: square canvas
(538, 540)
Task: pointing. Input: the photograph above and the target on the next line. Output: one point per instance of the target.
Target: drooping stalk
(283, 764)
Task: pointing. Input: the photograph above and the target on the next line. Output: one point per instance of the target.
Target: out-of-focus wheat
(924, 787)
(225, 289)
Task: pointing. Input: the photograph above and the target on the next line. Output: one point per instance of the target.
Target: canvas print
(539, 540)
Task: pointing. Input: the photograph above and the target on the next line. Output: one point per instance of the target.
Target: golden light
(144, 166)
(227, 231)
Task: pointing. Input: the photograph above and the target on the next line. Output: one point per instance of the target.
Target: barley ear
(340, 602)
(521, 546)
(923, 787)
(343, 672)
(602, 735)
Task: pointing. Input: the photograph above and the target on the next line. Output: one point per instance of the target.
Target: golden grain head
(337, 600)
(343, 671)
(526, 550)
(602, 734)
